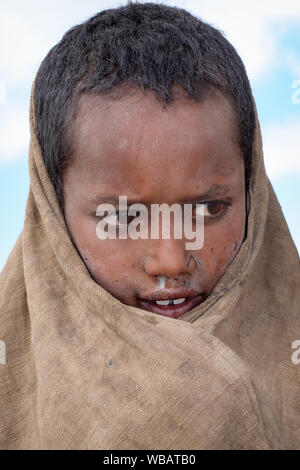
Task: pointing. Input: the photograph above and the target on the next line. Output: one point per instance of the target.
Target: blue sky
(266, 34)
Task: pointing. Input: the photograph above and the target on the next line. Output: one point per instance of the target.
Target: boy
(165, 147)
(149, 103)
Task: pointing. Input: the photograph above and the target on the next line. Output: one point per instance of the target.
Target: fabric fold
(85, 371)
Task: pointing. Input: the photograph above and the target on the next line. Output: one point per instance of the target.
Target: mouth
(170, 306)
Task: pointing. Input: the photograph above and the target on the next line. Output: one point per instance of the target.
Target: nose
(168, 258)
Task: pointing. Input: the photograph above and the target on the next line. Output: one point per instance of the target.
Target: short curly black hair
(140, 45)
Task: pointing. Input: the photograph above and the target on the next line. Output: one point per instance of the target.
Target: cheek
(109, 263)
(221, 244)
(107, 257)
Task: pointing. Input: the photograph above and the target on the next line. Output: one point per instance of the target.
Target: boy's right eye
(113, 218)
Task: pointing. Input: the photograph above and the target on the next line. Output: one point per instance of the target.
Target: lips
(174, 309)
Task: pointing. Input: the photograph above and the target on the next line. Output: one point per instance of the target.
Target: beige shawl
(84, 371)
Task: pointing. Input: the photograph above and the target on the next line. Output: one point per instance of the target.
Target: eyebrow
(216, 190)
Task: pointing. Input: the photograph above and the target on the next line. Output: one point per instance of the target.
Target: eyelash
(224, 211)
(208, 217)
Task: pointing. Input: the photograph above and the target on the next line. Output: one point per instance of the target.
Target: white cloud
(293, 63)
(20, 49)
(2, 92)
(281, 148)
(249, 26)
(14, 136)
(29, 29)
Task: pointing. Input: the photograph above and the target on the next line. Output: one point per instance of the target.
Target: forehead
(134, 144)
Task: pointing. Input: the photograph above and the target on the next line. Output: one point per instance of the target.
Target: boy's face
(135, 148)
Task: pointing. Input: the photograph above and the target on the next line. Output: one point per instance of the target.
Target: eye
(113, 218)
(214, 208)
